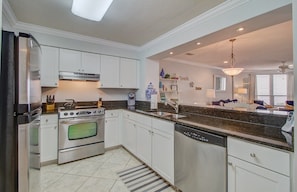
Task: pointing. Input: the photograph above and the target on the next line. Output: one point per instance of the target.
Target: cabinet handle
(46, 120)
(253, 155)
(230, 163)
(55, 127)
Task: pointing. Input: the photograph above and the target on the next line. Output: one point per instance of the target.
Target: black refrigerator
(20, 110)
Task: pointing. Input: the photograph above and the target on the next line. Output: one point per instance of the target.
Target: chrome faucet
(173, 104)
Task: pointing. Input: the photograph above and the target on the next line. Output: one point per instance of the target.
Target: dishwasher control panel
(200, 135)
(195, 136)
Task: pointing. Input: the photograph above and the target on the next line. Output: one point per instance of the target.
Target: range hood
(78, 76)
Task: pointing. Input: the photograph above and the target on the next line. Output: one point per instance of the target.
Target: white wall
(202, 77)
(148, 73)
(83, 91)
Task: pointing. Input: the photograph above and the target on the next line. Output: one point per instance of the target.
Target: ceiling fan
(285, 67)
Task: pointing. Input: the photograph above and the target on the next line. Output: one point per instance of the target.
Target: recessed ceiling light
(171, 53)
(198, 43)
(226, 62)
(240, 29)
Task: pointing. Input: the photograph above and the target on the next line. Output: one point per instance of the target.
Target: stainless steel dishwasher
(199, 160)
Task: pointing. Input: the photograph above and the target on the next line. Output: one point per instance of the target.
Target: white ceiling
(265, 42)
(133, 22)
(263, 49)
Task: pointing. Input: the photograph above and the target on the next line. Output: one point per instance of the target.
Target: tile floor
(98, 174)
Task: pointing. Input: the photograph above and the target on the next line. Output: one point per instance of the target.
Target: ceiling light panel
(90, 9)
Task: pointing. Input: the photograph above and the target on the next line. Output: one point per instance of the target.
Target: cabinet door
(128, 73)
(109, 77)
(49, 143)
(163, 155)
(144, 144)
(129, 136)
(49, 138)
(246, 177)
(70, 60)
(90, 63)
(49, 73)
(111, 132)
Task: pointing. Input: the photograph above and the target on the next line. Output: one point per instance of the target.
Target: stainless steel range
(81, 133)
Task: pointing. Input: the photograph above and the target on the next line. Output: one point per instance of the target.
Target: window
(272, 89)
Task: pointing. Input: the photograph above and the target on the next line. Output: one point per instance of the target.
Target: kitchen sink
(167, 114)
(176, 116)
(160, 113)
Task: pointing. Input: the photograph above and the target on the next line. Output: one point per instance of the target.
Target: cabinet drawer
(129, 115)
(111, 113)
(143, 120)
(49, 119)
(163, 126)
(273, 159)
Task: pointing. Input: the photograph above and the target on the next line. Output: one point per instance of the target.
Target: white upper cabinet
(70, 60)
(49, 73)
(128, 73)
(118, 72)
(90, 63)
(82, 62)
(110, 69)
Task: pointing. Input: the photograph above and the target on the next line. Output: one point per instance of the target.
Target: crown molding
(19, 26)
(218, 10)
(8, 13)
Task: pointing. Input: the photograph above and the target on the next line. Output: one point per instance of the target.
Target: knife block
(50, 107)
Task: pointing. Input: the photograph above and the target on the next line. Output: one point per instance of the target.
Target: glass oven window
(82, 131)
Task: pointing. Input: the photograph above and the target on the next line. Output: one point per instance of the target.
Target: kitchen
(148, 68)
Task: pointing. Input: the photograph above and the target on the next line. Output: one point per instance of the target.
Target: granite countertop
(251, 131)
(267, 135)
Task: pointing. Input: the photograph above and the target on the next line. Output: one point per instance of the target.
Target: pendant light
(232, 71)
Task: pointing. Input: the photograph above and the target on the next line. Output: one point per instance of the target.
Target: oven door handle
(80, 120)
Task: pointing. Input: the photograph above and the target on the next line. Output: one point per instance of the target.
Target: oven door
(74, 132)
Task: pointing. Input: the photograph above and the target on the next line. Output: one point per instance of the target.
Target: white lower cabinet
(152, 141)
(129, 135)
(163, 148)
(144, 144)
(112, 129)
(257, 168)
(49, 138)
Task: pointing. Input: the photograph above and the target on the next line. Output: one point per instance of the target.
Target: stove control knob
(94, 111)
(71, 113)
(65, 114)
